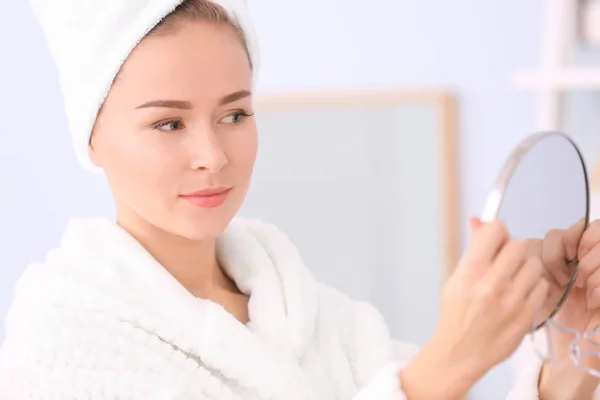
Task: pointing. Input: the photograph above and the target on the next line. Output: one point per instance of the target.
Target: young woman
(177, 299)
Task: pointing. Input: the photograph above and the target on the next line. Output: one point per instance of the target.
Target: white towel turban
(89, 41)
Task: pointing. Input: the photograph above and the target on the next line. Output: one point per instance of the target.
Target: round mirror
(541, 195)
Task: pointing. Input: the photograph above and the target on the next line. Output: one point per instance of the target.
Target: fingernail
(474, 223)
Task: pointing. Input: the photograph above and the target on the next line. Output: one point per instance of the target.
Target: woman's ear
(93, 153)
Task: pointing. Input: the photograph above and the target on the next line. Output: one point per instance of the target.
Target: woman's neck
(193, 263)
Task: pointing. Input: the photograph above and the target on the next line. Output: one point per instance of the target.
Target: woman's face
(178, 121)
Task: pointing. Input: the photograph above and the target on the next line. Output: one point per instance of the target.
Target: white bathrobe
(101, 319)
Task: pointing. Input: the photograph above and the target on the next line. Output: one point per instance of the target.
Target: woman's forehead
(206, 57)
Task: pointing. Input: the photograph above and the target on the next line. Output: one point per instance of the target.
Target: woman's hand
(561, 379)
(487, 307)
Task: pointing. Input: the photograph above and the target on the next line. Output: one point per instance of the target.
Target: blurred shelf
(568, 78)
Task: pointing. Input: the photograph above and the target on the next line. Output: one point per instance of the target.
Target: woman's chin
(203, 226)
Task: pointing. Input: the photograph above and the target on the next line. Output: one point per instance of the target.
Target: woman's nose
(207, 152)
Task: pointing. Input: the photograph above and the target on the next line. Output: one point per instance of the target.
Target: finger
(572, 238)
(554, 257)
(589, 239)
(527, 278)
(485, 243)
(593, 290)
(593, 299)
(535, 249)
(537, 307)
(475, 223)
(509, 260)
(488, 239)
(588, 265)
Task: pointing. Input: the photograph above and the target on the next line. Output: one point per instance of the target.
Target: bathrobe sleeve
(374, 357)
(528, 367)
(378, 359)
(386, 384)
(527, 364)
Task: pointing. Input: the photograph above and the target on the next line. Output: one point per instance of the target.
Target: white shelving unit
(567, 78)
(566, 24)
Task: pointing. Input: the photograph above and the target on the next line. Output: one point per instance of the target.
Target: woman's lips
(207, 198)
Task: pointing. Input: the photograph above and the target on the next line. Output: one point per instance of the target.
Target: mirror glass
(542, 195)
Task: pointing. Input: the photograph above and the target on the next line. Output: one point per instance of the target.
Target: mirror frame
(493, 202)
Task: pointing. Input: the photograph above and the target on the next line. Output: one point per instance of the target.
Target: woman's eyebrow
(186, 105)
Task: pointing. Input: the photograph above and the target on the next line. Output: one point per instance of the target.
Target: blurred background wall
(469, 47)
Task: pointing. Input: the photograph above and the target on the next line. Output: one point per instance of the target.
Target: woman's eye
(174, 125)
(235, 118)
